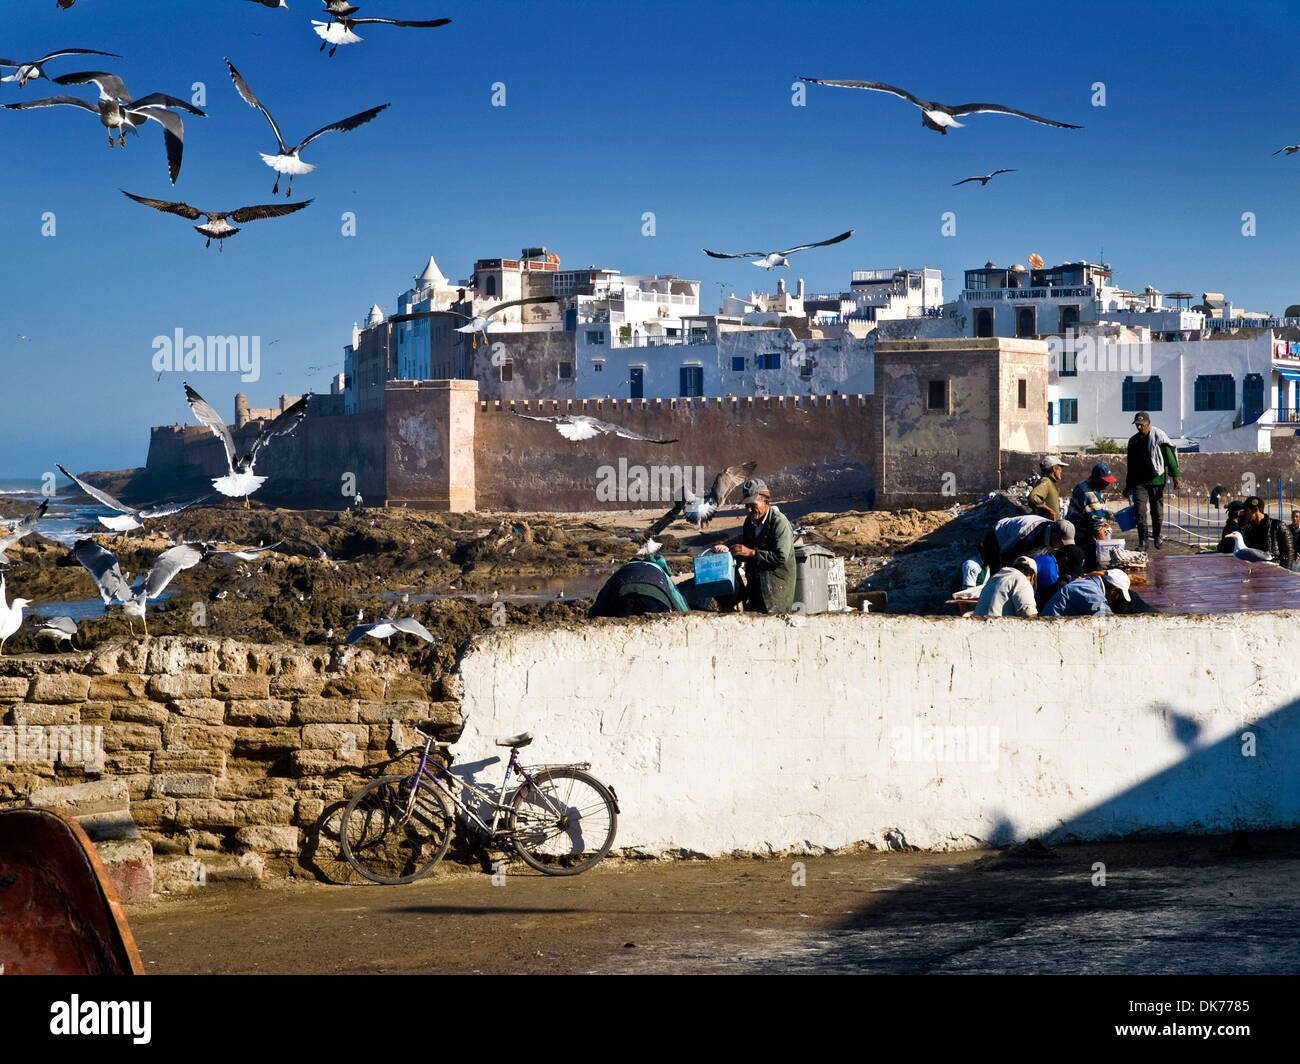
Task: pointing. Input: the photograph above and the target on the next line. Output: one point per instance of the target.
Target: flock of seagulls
(120, 114)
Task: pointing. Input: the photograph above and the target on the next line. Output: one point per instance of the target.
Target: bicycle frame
(498, 808)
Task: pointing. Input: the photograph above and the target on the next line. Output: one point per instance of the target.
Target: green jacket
(774, 562)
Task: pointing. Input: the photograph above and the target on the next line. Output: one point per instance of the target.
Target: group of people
(1250, 528)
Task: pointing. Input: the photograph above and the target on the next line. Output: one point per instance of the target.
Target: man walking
(1151, 461)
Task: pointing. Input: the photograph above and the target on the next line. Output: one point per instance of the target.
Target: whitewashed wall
(764, 734)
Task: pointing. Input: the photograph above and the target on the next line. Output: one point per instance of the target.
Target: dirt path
(1166, 906)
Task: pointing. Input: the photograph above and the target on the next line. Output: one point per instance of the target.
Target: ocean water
(71, 514)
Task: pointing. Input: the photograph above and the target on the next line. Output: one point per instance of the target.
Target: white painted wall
(764, 734)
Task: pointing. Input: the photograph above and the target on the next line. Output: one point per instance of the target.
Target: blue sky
(612, 109)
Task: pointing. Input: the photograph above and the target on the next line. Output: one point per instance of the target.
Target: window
(491, 288)
(984, 321)
(1069, 367)
(1068, 318)
(507, 371)
(1051, 413)
(1026, 322)
(692, 381)
(566, 371)
(806, 369)
(938, 396)
(1069, 411)
(769, 360)
(1142, 394)
(597, 366)
(1022, 394)
(737, 363)
(1215, 391)
(595, 336)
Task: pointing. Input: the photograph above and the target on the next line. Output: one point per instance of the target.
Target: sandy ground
(1204, 905)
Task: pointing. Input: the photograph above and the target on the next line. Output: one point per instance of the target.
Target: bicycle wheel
(563, 822)
(386, 845)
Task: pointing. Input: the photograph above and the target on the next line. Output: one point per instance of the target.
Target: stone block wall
(221, 747)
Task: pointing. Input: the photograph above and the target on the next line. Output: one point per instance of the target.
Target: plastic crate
(715, 574)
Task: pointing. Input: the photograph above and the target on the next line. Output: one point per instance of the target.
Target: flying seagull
(700, 509)
(32, 69)
(936, 115)
(479, 322)
(240, 479)
(22, 527)
(339, 29)
(113, 586)
(287, 161)
(118, 111)
(983, 180)
(769, 260)
(127, 517)
(272, 3)
(582, 427)
(1290, 149)
(216, 227)
(383, 629)
(11, 614)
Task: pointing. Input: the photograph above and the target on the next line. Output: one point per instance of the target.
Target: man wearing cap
(1235, 522)
(1030, 535)
(1088, 513)
(1045, 498)
(1010, 591)
(1262, 532)
(1151, 458)
(765, 551)
(1091, 594)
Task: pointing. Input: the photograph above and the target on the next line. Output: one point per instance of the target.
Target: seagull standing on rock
(11, 614)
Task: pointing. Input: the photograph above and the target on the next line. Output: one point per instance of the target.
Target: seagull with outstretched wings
(24, 526)
(240, 480)
(383, 629)
(982, 180)
(583, 427)
(113, 586)
(770, 260)
(216, 227)
(939, 116)
(339, 29)
(32, 69)
(700, 509)
(286, 161)
(126, 517)
(479, 323)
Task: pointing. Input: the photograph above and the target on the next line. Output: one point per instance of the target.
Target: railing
(1229, 324)
(1191, 518)
(660, 341)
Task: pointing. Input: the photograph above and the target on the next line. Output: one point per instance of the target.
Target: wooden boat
(59, 913)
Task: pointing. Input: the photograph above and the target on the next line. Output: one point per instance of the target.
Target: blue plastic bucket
(1126, 519)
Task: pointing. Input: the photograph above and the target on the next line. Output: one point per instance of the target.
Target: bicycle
(560, 819)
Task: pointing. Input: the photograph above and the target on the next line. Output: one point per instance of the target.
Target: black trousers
(1149, 505)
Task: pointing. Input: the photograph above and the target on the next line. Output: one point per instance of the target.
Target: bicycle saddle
(520, 740)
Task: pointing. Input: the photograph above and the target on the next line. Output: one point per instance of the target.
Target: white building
(1018, 301)
(1212, 395)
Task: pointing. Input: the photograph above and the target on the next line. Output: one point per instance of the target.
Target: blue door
(1252, 398)
(636, 378)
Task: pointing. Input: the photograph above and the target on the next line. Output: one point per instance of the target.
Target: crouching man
(764, 553)
(1010, 592)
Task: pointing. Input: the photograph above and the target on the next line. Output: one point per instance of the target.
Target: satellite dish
(1036, 260)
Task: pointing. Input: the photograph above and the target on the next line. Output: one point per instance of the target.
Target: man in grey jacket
(765, 551)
